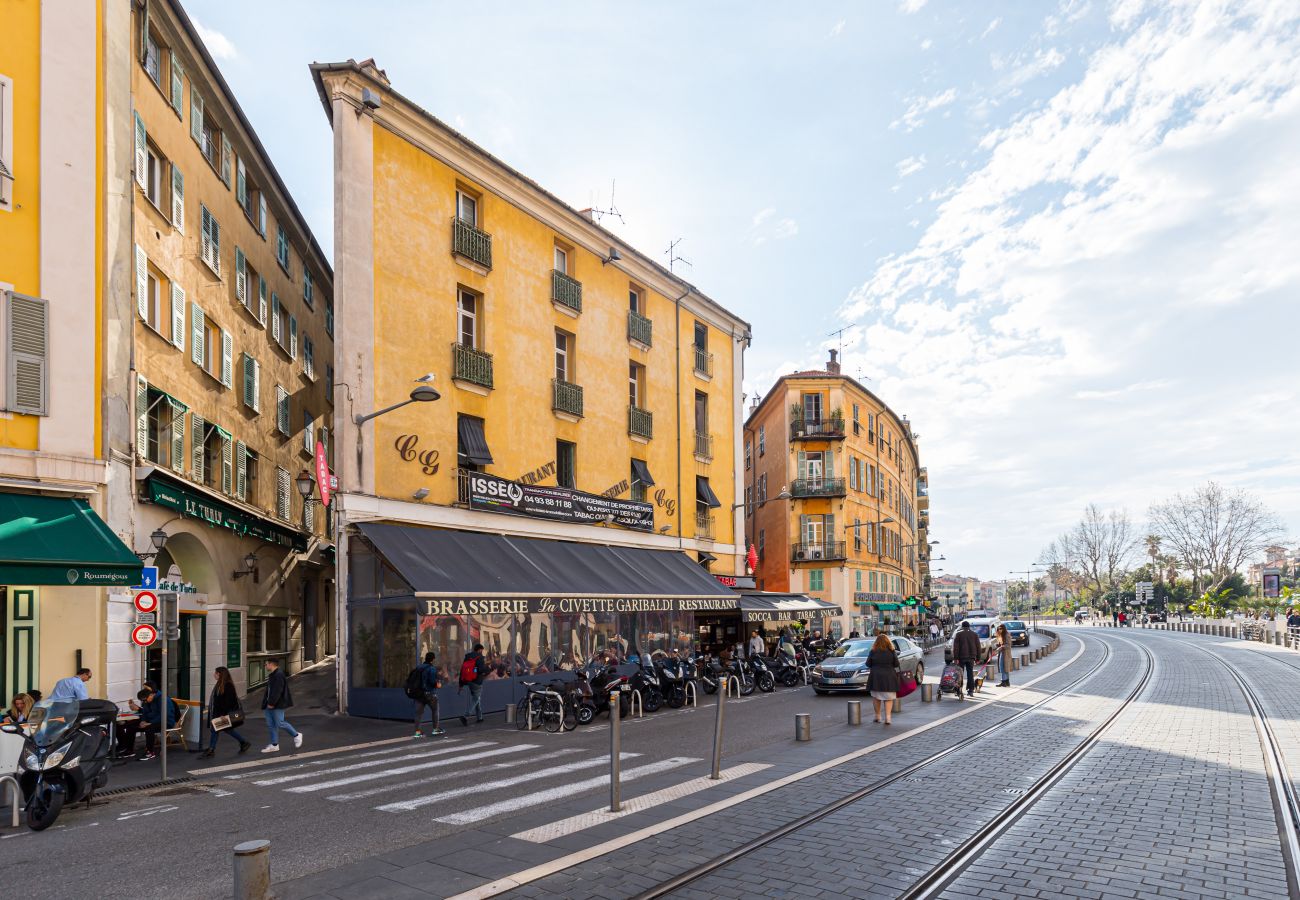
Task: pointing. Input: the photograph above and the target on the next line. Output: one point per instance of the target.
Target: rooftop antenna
(671, 253)
(597, 213)
(840, 335)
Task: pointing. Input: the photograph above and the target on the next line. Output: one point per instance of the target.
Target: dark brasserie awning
(439, 562)
(642, 473)
(472, 445)
(704, 493)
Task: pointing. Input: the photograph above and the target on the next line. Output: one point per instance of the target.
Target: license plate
(833, 680)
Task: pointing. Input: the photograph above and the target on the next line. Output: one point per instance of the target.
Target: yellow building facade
(833, 493)
(572, 370)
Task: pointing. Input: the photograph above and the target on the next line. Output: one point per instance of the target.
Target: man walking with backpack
(421, 686)
(472, 672)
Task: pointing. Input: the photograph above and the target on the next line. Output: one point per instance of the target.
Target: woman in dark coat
(223, 702)
(882, 662)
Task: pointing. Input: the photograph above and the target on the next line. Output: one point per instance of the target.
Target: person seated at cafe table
(20, 707)
(151, 717)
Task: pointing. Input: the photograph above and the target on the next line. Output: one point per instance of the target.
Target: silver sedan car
(846, 668)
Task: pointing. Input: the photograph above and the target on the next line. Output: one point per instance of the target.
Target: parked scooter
(709, 672)
(785, 670)
(646, 680)
(604, 678)
(762, 674)
(743, 676)
(672, 675)
(67, 757)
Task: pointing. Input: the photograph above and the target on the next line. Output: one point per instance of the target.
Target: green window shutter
(261, 300)
(282, 410)
(141, 154)
(141, 418)
(196, 113)
(196, 334)
(246, 365)
(178, 86)
(198, 429)
(830, 529)
(803, 466)
(293, 337)
(241, 183)
(178, 199)
(227, 359)
(275, 318)
(141, 282)
(216, 245)
(178, 437)
(227, 466)
(178, 316)
(261, 214)
(241, 470)
(227, 155)
(307, 290)
(27, 343)
(241, 277)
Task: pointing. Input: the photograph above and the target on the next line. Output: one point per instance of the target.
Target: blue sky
(1063, 236)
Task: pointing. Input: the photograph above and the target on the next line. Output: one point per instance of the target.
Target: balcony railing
(471, 243)
(639, 328)
(812, 552)
(818, 487)
(704, 445)
(566, 291)
(462, 485)
(832, 429)
(565, 397)
(640, 422)
(703, 361)
(704, 526)
(472, 365)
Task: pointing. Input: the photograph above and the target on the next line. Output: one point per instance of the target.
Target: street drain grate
(184, 779)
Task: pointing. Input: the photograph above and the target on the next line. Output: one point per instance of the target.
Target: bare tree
(1214, 532)
(1099, 547)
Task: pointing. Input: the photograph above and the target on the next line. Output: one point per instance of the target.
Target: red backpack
(469, 670)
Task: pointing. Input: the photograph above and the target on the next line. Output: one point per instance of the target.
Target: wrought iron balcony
(703, 361)
(471, 243)
(472, 365)
(823, 430)
(566, 397)
(566, 291)
(818, 487)
(704, 445)
(640, 422)
(817, 551)
(704, 526)
(639, 328)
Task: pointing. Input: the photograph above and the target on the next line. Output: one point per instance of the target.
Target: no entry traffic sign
(146, 601)
(144, 635)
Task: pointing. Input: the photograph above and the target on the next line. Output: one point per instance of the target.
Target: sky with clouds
(1063, 238)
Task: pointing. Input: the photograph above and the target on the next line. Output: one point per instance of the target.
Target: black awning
(704, 493)
(442, 563)
(765, 606)
(472, 445)
(642, 473)
(706, 557)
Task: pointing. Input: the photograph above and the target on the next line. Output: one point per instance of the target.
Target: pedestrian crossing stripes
(402, 770)
(288, 766)
(416, 782)
(372, 763)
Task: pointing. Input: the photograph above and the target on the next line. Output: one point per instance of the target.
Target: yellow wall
(20, 258)
(415, 292)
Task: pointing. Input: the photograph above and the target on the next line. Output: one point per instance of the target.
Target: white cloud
(927, 44)
(919, 107)
(1026, 69)
(837, 29)
(911, 6)
(1100, 307)
(992, 27)
(766, 226)
(911, 165)
(220, 46)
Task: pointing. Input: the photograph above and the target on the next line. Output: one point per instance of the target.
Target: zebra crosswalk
(452, 781)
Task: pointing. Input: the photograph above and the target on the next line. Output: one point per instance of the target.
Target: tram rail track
(723, 860)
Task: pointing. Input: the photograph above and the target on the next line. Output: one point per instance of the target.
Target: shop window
(448, 638)
(392, 584)
(268, 634)
(364, 639)
(363, 570)
(566, 464)
(400, 642)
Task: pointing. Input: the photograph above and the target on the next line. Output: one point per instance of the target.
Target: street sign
(143, 635)
(148, 579)
(146, 618)
(146, 601)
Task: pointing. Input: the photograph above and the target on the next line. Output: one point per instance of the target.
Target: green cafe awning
(60, 540)
(883, 607)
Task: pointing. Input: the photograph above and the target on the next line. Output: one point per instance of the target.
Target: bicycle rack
(731, 686)
(691, 698)
(635, 708)
(12, 783)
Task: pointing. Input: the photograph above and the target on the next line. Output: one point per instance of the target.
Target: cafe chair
(177, 731)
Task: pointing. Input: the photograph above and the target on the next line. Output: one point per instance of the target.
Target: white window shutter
(27, 331)
(261, 300)
(227, 466)
(227, 155)
(198, 429)
(141, 154)
(141, 282)
(241, 470)
(216, 245)
(261, 214)
(196, 334)
(141, 418)
(282, 410)
(293, 337)
(309, 517)
(205, 236)
(178, 86)
(178, 436)
(282, 493)
(241, 183)
(275, 318)
(196, 113)
(178, 199)
(227, 359)
(241, 277)
(178, 316)
(308, 432)
(257, 386)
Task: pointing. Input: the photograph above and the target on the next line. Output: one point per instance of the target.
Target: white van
(985, 629)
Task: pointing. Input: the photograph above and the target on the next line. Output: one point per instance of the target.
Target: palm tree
(1153, 550)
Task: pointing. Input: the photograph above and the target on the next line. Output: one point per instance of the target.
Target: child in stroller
(954, 676)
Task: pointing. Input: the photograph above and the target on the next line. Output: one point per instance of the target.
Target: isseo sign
(488, 492)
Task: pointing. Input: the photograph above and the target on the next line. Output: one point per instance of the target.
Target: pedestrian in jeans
(966, 650)
(429, 685)
(1003, 650)
(224, 702)
(276, 701)
(472, 672)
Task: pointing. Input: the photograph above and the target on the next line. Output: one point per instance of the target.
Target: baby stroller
(954, 677)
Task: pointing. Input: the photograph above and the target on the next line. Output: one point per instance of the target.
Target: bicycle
(546, 706)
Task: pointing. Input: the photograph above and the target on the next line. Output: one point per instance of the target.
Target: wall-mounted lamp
(306, 483)
(424, 393)
(158, 539)
(421, 494)
(614, 256)
(250, 567)
(665, 529)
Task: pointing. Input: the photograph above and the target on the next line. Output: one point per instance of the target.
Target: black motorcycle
(743, 677)
(708, 672)
(785, 670)
(672, 675)
(646, 680)
(67, 757)
(762, 675)
(603, 679)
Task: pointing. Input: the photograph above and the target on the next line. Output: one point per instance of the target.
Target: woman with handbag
(882, 664)
(224, 712)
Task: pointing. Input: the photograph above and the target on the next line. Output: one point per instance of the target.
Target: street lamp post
(1033, 619)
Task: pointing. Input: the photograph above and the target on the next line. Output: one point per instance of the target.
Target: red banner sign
(322, 474)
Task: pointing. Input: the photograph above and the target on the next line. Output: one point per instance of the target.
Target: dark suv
(1019, 633)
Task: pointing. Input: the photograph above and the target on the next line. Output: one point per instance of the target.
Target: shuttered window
(261, 300)
(198, 334)
(210, 243)
(198, 441)
(178, 316)
(282, 247)
(241, 277)
(282, 494)
(293, 337)
(241, 470)
(241, 184)
(308, 357)
(141, 154)
(196, 114)
(308, 288)
(178, 86)
(227, 359)
(26, 354)
(252, 383)
(227, 159)
(282, 410)
(178, 199)
(308, 432)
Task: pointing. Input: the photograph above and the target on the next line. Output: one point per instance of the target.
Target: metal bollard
(1024, 660)
(927, 693)
(692, 695)
(898, 705)
(802, 727)
(615, 752)
(636, 709)
(715, 773)
(731, 684)
(511, 714)
(15, 797)
(855, 712)
(252, 870)
(1015, 664)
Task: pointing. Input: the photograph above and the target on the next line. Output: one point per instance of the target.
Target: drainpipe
(677, 373)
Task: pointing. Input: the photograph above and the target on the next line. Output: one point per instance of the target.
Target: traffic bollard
(898, 704)
(927, 693)
(1015, 664)
(252, 870)
(716, 772)
(16, 795)
(511, 714)
(615, 751)
(855, 712)
(802, 727)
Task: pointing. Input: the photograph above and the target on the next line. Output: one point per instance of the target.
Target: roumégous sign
(488, 492)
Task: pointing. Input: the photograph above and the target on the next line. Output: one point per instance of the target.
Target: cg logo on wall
(405, 446)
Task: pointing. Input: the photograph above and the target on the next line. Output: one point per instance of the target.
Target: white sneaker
(297, 739)
(271, 748)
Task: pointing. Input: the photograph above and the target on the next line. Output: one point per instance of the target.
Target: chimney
(833, 365)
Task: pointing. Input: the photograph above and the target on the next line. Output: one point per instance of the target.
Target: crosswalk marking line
(583, 821)
(372, 763)
(402, 770)
(330, 760)
(482, 813)
(416, 782)
(328, 751)
(416, 803)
